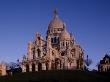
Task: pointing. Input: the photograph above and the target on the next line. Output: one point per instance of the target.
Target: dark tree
(88, 62)
(13, 67)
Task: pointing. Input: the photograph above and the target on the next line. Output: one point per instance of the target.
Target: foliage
(14, 67)
(88, 61)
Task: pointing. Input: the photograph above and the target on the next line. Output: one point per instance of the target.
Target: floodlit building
(2, 69)
(58, 52)
(104, 65)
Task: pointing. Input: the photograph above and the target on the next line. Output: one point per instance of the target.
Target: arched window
(55, 40)
(62, 53)
(63, 44)
(52, 40)
(33, 54)
(66, 44)
(58, 40)
(39, 52)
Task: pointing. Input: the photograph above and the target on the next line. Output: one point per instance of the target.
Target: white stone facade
(104, 65)
(58, 52)
(2, 69)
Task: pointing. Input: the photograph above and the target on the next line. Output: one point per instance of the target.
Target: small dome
(65, 35)
(56, 22)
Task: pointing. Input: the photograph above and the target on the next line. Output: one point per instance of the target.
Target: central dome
(56, 22)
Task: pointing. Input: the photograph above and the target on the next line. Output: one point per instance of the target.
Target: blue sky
(87, 20)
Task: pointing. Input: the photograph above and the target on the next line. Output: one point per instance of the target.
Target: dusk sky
(87, 20)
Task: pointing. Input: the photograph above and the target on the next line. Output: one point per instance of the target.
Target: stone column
(68, 66)
(62, 64)
(50, 65)
(30, 56)
(59, 67)
(30, 68)
(41, 50)
(23, 68)
(66, 63)
(36, 67)
(43, 66)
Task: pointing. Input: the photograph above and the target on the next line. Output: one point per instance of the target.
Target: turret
(49, 41)
(30, 55)
(65, 38)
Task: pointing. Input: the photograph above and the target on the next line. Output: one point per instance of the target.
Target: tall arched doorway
(53, 65)
(57, 62)
(47, 66)
(27, 68)
(39, 66)
(33, 67)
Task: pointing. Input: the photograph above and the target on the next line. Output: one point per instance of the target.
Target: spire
(56, 22)
(55, 12)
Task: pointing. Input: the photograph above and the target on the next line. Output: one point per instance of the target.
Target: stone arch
(47, 66)
(63, 44)
(57, 63)
(27, 67)
(53, 65)
(62, 53)
(33, 67)
(39, 66)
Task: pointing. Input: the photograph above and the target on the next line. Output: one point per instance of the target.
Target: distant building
(104, 65)
(59, 51)
(2, 69)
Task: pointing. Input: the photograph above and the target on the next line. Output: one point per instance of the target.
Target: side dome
(56, 22)
(65, 35)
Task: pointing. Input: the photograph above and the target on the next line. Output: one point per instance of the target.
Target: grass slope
(56, 76)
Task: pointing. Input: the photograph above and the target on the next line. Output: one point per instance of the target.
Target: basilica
(59, 51)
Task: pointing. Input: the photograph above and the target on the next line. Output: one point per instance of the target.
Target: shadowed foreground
(57, 76)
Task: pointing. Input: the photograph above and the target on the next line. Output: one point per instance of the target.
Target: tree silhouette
(14, 67)
(88, 62)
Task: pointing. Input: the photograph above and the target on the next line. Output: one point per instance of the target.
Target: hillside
(56, 76)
